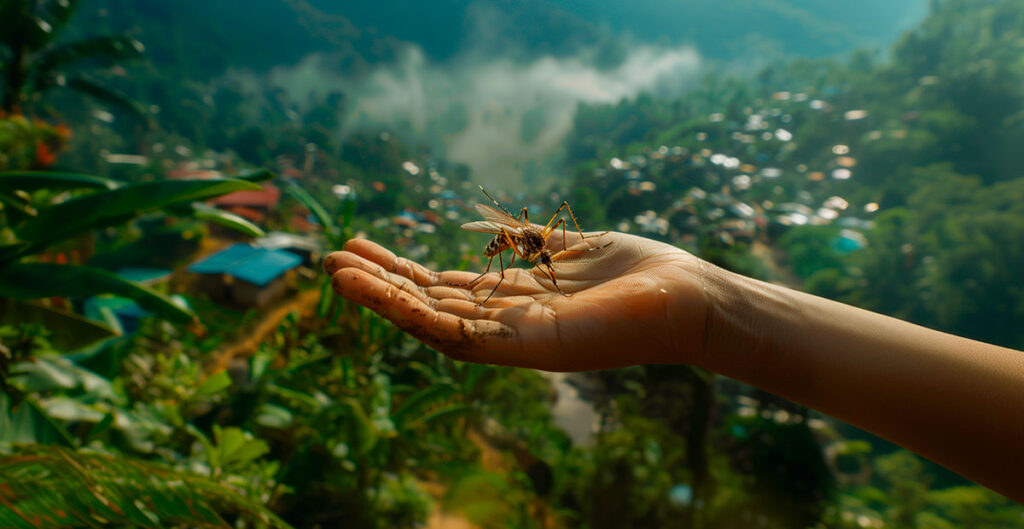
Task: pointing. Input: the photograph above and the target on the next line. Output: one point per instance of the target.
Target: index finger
(380, 255)
(474, 340)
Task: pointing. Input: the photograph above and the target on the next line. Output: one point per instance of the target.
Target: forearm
(955, 401)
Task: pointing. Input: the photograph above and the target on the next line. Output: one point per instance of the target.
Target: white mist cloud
(475, 108)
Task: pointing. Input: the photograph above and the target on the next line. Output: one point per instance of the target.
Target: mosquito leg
(475, 279)
(555, 216)
(501, 271)
(573, 215)
(603, 246)
(565, 205)
(562, 223)
(524, 216)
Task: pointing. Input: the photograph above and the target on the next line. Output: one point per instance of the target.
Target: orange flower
(44, 157)
(63, 132)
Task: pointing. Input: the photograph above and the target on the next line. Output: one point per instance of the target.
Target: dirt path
(439, 519)
(304, 302)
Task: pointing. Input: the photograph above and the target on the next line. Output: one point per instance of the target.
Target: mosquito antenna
(496, 203)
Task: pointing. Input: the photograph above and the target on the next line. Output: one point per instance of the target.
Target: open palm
(634, 301)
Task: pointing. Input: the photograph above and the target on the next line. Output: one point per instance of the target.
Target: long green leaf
(314, 206)
(43, 280)
(256, 175)
(33, 180)
(116, 206)
(224, 218)
(51, 488)
(16, 204)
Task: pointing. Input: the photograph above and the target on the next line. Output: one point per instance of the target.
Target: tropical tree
(33, 61)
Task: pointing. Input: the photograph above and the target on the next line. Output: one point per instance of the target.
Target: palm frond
(43, 487)
(111, 49)
(110, 97)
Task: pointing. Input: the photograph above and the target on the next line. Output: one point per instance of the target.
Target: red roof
(199, 174)
(253, 215)
(267, 197)
(300, 223)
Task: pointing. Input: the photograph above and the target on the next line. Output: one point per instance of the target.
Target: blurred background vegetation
(171, 174)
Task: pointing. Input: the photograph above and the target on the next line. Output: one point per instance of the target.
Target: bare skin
(956, 401)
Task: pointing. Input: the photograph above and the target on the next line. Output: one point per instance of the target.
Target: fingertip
(356, 242)
(332, 263)
(347, 281)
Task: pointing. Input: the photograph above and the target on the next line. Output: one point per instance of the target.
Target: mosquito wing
(498, 217)
(485, 226)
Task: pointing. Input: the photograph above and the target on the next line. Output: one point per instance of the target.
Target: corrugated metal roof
(258, 266)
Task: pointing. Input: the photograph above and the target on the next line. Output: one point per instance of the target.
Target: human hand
(636, 301)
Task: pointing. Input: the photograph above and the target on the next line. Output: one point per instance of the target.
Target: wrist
(740, 322)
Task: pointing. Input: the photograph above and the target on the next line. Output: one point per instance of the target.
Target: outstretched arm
(956, 401)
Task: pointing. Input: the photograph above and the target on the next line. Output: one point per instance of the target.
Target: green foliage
(50, 487)
(340, 419)
(110, 203)
(28, 143)
(36, 63)
(27, 280)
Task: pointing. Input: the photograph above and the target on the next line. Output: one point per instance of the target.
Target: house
(246, 276)
(122, 314)
(306, 247)
(253, 205)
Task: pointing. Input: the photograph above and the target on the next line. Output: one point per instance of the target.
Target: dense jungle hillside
(171, 174)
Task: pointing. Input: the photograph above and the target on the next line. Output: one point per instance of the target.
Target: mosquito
(526, 241)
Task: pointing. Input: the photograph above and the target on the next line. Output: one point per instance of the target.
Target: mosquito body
(526, 241)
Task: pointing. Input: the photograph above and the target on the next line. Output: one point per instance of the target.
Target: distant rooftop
(279, 240)
(267, 197)
(258, 266)
(145, 276)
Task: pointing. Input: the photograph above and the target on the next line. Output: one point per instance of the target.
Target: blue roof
(143, 275)
(258, 266)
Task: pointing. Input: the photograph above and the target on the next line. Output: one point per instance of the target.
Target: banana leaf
(43, 280)
(116, 206)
